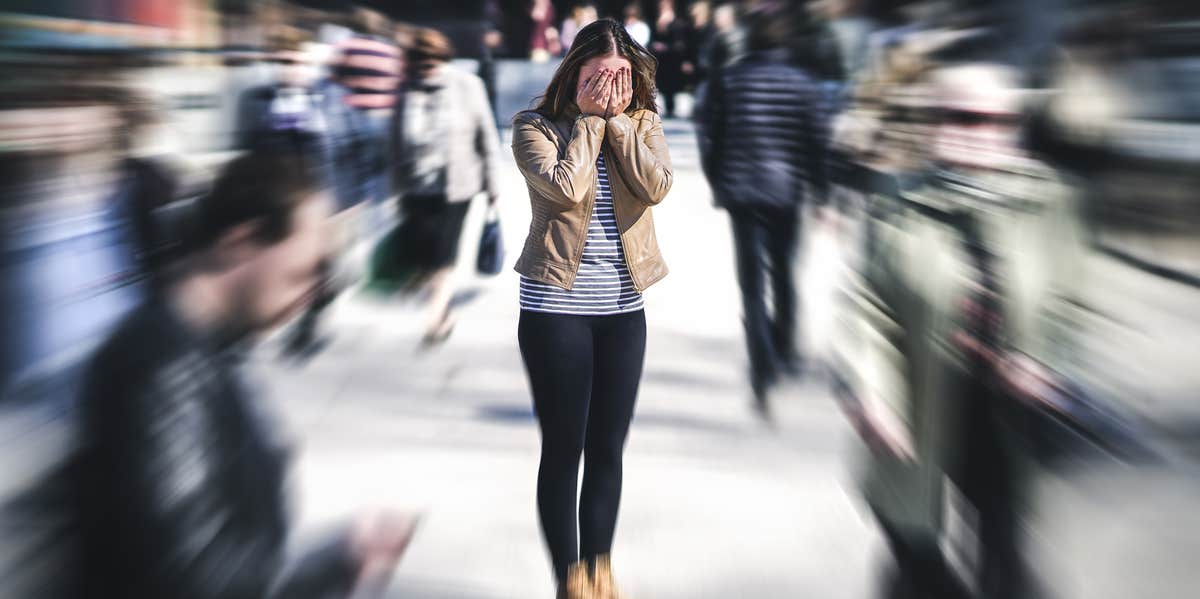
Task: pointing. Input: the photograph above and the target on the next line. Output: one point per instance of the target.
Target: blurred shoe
(604, 586)
(433, 339)
(303, 343)
(577, 585)
(761, 385)
(792, 366)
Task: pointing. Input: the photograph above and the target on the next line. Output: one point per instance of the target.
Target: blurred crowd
(1015, 185)
(1011, 186)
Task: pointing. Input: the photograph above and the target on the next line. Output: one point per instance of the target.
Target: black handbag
(491, 246)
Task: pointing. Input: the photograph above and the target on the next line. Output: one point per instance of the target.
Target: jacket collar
(769, 55)
(570, 113)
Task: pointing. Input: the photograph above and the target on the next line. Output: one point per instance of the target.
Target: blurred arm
(820, 119)
(487, 140)
(710, 123)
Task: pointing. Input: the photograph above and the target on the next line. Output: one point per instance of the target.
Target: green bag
(392, 268)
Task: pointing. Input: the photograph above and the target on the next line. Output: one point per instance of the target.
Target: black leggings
(584, 373)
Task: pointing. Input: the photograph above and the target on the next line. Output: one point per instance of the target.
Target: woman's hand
(593, 96)
(622, 93)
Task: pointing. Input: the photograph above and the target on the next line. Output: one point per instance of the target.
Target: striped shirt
(370, 68)
(603, 285)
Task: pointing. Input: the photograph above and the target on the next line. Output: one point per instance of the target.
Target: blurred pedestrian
(355, 104)
(492, 45)
(720, 44)
(149, 185)
(543, 41)
(700, 32)
(763, 142)
(638, 29)
(447, 154)
(285, 113)
(581, 16)
(181, 478)
(669, 43)
(595, 160)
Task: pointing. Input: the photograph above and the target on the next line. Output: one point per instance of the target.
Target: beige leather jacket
(558, 160)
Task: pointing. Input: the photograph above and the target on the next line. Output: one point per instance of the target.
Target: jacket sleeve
(819, 155)
(197, 532)
(397, 152)
(710, 122)
(567, 180)
(644, 161)
(487, 140)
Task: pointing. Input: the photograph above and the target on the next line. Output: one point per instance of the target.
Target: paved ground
(715, 505)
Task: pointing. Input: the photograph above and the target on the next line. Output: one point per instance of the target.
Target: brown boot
(578, 584)
(603, 584)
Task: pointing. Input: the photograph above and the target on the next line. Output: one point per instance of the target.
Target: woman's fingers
(604, 85)
(597, 83)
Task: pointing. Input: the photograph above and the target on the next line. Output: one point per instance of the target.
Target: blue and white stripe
(603, 285)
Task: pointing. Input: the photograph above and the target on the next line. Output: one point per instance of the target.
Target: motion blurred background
(1003, 286)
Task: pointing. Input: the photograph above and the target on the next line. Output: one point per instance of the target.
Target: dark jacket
(180, 489)
(763, 131)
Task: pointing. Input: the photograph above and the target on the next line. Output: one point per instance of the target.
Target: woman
(595, 160)
(448, 147)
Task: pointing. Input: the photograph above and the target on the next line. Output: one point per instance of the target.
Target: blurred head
(633, 12)
(294, 65)
(603, 44)
(701, 13)
(725, 17)
(584, 14)
(768, 26)
(427, 52)
(262, 231)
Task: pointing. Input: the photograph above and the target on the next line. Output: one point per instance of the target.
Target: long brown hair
(601, 38)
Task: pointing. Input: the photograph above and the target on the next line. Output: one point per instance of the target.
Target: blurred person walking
(447, 152)
(762, 141)
(595, 160)
(180, 485)
(669, 42)
(543, 41)
(285, 113)
(719, 44)
(637, 28)
(581, 16)
(355, 103)
(700, 34)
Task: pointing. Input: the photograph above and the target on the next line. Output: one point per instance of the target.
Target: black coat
(764, 130)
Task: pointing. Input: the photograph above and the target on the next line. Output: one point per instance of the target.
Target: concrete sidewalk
(714, 505)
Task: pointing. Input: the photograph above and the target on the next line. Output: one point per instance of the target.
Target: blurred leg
(749, 241)
(441, 291)
(921, 569)
(557, 351)
(781, 246)
(620, 349)
(447, 224)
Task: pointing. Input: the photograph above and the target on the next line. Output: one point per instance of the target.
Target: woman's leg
(557, 350)
(440, 317)
(620, 349)
(446, 224)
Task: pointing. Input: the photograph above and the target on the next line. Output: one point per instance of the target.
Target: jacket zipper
(587, 224)
(624, 254)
